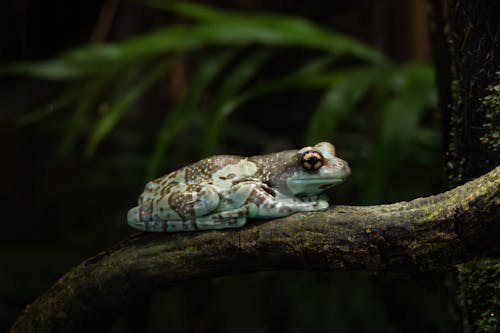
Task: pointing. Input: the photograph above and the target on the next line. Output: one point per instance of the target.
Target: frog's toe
(252, 210)
(240, 221)
(322, 205)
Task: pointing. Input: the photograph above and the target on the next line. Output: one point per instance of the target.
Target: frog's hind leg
(229, 219)
(156, 212)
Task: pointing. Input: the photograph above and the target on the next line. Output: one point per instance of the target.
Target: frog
(223, 191)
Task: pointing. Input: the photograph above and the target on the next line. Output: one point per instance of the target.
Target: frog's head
(314, 169)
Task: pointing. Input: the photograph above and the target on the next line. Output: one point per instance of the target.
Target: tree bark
(466, 44)
(426, 234)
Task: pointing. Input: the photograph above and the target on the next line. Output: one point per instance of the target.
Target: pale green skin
(223, 191)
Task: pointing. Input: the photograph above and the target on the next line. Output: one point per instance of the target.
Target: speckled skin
(223, 191)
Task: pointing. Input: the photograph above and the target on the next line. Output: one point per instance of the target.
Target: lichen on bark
(469, 46)
(491, 127)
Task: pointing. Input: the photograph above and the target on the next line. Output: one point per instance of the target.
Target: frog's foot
(287, 207)
(316, 206)
(323, 204)
(234, 218)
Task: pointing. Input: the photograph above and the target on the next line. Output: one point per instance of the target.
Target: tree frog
(223, 191)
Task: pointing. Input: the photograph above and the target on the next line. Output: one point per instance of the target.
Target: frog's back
(199, 172)
(206, 169)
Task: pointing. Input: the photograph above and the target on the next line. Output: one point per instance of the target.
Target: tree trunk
(426, 234)
(466, 38)
(467, 49)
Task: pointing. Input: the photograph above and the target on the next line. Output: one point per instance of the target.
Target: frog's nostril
(342, 166)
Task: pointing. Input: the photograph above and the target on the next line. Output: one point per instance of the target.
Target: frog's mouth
(317, 181)
(312, 185)
(309, 183)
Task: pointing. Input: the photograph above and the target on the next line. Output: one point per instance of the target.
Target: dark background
(61, 206)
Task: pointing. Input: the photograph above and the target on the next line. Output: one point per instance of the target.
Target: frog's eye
(311, 160)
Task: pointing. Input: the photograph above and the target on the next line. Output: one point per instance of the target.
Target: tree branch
(426, 234)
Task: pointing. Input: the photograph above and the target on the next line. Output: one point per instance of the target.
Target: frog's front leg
(262, 201)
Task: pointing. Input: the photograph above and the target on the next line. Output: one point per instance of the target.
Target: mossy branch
(426, 234)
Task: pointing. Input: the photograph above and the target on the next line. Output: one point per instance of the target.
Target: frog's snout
(340, 168)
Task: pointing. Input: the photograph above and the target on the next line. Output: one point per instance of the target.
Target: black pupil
(312, 160)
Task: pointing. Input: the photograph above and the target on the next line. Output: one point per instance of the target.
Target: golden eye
(311, 160)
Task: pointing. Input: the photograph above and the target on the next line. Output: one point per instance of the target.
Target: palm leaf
(184, 111)
(240, 75)
(119, 106)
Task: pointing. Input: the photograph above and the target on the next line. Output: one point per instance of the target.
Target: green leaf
(88, 94)
(303, 77)
(273, 29)
(217, 27)
(415, 88)
(338, 102)
(183, 112)
(400, 129)
(86, 102)
(113, 113)
(62, 101)
(222, 104)
(97, 60)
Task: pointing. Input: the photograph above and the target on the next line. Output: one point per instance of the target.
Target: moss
(455, 90)
(491, 130)
(479, 295)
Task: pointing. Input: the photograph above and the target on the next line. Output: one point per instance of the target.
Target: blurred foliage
(104, 81)
(377, 112)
